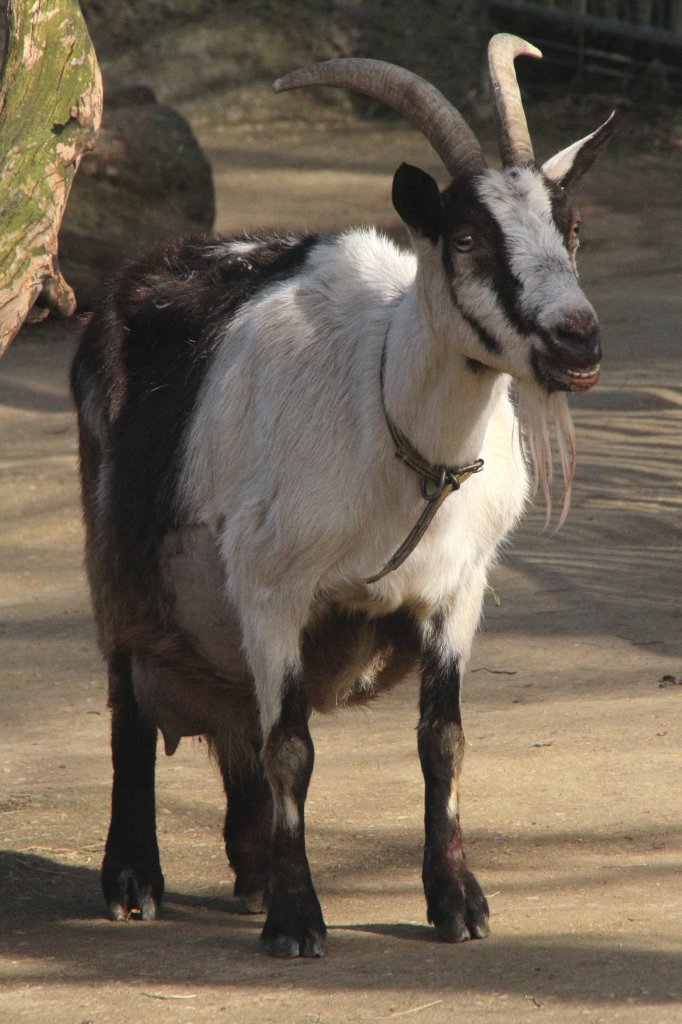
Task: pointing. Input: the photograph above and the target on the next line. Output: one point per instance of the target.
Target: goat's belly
(200, 684)
(348, 656)
(193, 575)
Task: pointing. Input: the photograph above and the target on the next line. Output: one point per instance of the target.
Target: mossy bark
(50, 110)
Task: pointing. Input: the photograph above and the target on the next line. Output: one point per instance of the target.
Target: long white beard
(545, 420)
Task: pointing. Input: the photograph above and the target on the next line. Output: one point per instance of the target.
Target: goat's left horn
(516, 148)
(408, 94)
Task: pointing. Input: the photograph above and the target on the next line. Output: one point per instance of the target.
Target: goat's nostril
(565, 336)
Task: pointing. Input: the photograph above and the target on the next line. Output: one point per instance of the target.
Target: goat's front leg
(455, 902)
(294, 925)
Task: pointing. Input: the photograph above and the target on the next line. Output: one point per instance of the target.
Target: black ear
(417, 200)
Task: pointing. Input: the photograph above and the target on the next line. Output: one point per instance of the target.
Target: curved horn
(510, 120)
(406, 93)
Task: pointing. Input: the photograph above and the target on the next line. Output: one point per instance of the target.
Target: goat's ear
(571, 163)
(417, 199)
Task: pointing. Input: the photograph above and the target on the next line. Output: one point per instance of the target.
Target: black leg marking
(294, 925)
(248, 831)
(455, 902)
(131, 871)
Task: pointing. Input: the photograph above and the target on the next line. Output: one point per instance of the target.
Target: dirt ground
(573, 700)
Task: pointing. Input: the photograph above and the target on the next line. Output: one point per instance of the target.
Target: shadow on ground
(205, 940)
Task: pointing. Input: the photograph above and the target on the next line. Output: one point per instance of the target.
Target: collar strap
(434, 478)
(437, 482)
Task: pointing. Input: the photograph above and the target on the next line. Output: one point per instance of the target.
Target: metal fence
(601, 46)
(648, 19)
(665, 15)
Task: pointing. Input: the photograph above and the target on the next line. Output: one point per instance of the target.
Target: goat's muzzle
(571, 354)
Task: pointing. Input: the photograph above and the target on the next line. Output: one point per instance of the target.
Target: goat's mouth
(556, 376)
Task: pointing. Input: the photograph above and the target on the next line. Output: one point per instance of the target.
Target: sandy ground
(573, 711)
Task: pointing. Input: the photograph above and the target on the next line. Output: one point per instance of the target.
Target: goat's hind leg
(455, 902)
(294, 925)
(131, 871)
(248, 828)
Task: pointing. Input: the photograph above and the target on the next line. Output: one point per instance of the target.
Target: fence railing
(612, 44)
(651, 18)
(660, 14)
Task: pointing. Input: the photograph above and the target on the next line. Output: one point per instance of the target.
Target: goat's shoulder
(195, 283)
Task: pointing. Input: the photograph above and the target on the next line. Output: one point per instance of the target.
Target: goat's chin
(547, 426)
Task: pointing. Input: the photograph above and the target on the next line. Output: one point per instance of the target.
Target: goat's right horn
(408, 94)
(516, 148)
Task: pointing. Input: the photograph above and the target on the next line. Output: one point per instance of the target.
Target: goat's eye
(464, 243)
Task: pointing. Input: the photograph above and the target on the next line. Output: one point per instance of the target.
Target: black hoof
(311, 944)
(294, 926)
(458, 909)
(131, 893)
(287, 946)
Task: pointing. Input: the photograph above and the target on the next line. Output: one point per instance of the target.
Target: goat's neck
(430, 390)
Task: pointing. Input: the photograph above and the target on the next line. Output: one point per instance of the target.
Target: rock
(146, 182)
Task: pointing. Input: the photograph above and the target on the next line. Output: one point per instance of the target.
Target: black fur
(131, 871)
(563, 212)
(135, 379)
(248, 831)
(464, 213)
(145, 353)
(455, 902)
(417, 199)
(294, 925)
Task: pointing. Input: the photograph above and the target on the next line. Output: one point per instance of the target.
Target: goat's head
(501, 244)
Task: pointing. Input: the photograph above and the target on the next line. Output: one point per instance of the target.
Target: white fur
(518, 199)
(289, 457)
(289, 460)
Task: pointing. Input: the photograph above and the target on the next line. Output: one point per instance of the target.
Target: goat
(241, 403)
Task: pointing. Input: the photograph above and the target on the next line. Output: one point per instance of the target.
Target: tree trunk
(50, 110)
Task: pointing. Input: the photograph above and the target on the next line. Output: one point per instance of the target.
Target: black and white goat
(241, 403)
